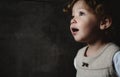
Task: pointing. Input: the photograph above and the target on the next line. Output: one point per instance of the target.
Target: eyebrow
(79, 9)
(86, 9)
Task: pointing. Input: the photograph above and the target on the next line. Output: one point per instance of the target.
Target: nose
(73, 21)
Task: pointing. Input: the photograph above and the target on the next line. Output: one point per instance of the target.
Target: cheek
(87, 26)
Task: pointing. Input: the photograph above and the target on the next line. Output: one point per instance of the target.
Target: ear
(105, 23)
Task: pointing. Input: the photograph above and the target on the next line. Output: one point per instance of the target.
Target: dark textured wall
(35, 40)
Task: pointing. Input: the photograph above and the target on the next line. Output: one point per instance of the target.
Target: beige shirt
(99, 65)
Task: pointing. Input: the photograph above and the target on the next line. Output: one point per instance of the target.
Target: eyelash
(81, 13)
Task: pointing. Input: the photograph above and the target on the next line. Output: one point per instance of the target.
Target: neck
(94, 46)
(97, 43)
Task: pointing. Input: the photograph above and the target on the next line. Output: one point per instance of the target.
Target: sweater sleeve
(116, 61)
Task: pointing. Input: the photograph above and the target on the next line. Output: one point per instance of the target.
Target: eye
(81, 13)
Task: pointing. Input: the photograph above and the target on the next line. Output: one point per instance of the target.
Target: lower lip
(74, 33)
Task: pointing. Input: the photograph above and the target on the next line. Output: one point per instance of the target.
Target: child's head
(91, 19)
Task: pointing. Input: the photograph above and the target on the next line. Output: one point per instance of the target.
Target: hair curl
(100, 7)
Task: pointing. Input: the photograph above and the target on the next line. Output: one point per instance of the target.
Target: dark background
(35, 40)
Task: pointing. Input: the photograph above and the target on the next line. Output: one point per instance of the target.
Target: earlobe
(106, 23)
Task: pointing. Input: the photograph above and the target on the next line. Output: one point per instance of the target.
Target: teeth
(75, 29)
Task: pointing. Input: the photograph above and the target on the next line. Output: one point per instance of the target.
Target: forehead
(80, 4)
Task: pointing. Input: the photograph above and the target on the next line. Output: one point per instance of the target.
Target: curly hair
(100, 7)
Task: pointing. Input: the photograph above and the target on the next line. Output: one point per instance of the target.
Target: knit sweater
(99, 65)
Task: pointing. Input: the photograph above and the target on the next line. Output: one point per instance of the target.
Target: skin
(89, 27)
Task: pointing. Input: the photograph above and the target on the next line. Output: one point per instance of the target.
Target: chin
(78, 40)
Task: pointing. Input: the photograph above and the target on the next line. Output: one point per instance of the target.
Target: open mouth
(75, 29)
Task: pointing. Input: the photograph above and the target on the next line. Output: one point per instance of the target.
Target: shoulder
(82, 50)
(113, 46)
(79, 55)
(112, 49)
(116, 61)
(116, 58)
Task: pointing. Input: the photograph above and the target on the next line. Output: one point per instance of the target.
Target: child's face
(83, 23)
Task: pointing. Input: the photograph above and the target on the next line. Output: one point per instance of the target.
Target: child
(91, 22)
